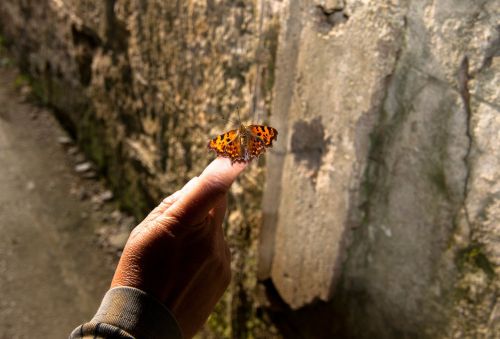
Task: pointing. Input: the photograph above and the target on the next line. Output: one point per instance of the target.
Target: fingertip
(223, 169)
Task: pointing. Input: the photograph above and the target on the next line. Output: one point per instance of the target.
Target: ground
(54, 265)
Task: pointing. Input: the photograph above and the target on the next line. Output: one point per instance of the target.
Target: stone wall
(143, 86)
(380, 211)
(382, 206)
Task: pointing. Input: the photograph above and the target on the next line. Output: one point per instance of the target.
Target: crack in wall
(463, 88)
(454, 88)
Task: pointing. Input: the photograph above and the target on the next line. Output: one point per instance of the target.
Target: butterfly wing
(260, 137)
(227, 145)
(256, 147)
(264, 133)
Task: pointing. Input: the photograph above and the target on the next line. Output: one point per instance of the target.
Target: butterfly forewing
(233, 150)
(265, 133)
(226, 144)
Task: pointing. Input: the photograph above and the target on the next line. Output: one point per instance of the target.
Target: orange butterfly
(245, 143)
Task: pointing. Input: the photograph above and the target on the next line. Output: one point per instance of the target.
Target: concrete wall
(381, 208)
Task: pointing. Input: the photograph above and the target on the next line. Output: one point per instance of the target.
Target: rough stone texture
(388, 178)
(381, 206)
(143, 85)
(325, 124)
(154, 80)
(428, 249)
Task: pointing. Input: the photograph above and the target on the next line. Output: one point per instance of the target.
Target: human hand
(178, 253)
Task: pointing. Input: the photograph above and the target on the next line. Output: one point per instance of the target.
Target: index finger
(212, 185)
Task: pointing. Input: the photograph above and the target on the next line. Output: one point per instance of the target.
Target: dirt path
(52, 271)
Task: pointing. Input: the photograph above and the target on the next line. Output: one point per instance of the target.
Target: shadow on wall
(342, 317)
(308, 142)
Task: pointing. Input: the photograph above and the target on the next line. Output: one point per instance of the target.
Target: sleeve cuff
(137, 313)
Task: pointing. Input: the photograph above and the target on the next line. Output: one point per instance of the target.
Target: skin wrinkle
(165, 224)
(181, 208)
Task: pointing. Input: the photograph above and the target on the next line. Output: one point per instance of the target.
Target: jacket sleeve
(129, 313)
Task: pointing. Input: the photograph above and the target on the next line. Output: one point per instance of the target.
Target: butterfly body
(245, 143)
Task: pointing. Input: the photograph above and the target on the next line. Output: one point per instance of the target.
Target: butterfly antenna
(238, 111)
(226, 119)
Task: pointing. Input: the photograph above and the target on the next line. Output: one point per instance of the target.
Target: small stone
(26, 91)
(116, 215)
(106, 195)
(30, 186)
(102, 231)
(96, 199)
(90, 175)
(83, 167)
(64, 140)
(118, 240)
(127, 223)
(79, 157)
(72, 150)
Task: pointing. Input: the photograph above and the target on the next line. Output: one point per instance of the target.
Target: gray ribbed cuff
(137, 313)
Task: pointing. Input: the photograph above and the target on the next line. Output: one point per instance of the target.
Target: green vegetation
(271, 44)
(474, 256)
(438, 178)
(2, 43)
(38, 94)
(21, 80)
(218, 321)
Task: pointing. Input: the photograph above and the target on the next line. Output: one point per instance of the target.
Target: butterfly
(245, 143)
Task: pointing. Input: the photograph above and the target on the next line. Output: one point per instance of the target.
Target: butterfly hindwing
(256, 146)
